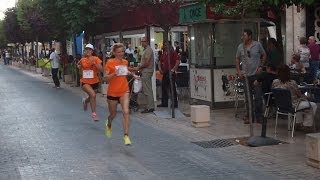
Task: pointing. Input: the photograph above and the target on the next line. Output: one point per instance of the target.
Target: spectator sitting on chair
(265, 79)
(304, 121)
(296, 64)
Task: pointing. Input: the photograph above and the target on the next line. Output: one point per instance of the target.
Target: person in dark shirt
(265, 79)
(273, 54)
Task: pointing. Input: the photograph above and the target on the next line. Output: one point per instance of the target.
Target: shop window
(200, 42)
(226, 40)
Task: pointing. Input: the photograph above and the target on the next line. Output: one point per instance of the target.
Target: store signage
(200, 84)
(192, 13)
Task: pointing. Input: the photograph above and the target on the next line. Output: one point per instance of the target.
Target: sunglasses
(249, 54)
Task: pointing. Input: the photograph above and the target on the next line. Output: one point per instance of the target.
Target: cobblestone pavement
(44, 134)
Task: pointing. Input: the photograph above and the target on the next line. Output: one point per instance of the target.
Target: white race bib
(121, 70)
(87, 74)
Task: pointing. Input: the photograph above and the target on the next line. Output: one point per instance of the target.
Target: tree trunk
(166, 33)
(37, 48)
(44, 49)
(279, 35)
(166, 30)
(32, 49)
(22, 53)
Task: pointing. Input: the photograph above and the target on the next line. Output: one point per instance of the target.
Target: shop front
(213, 43)
(313, 21)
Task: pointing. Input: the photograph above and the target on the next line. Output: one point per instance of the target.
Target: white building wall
(295, 28)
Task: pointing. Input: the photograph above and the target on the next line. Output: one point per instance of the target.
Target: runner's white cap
(89, 46)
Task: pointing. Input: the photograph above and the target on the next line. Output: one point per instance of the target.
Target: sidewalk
(287, 161)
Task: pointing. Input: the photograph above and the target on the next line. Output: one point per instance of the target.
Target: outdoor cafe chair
(268, 98)
(284, 106)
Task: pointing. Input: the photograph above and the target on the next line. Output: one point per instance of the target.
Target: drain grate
(217, 143)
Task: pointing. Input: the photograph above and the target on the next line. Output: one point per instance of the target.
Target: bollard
(313, 149)
(200, 115)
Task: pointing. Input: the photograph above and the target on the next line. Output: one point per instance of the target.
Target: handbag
(137, 85)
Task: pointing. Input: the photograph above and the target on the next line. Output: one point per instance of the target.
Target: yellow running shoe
(108, 131)
(126, 140)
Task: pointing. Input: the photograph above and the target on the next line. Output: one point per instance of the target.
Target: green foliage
(3, 39)
(11, 27)
(77, 13)
(24, 9)
(44, 63)
(32, 21)
(239, 6)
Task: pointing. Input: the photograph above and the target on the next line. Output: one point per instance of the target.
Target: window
(200, 42)
(227, 38)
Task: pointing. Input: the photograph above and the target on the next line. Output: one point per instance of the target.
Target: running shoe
(94, 117)
(108, 130)
(85, 105)
(126, 140)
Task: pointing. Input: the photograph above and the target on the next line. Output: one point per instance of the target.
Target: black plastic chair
(269, 101)
(283, 103)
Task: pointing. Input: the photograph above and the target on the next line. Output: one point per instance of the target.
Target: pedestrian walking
(147, 70)
(55, 63)
(116, 71)
(90, 66)
(8, 57)
(250, 57)
(4, 57)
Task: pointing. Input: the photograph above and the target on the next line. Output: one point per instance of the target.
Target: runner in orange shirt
(116, 71)
(90, 66)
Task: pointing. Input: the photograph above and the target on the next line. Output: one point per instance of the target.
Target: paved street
(44, 134)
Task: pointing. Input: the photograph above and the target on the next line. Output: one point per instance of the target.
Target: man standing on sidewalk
(165, 69)
(54, 60)
(251, 56)
(147, 69)
(315, 57)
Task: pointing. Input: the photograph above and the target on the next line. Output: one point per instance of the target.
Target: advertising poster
(226, 85)
(200, 84)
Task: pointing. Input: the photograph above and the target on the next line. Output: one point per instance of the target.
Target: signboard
(200, 84)
(192, 13)
(226, 85)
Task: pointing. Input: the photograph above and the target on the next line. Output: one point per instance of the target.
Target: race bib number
(87, 74)
(121, 70)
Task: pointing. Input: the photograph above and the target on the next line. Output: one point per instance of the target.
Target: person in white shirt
(129, 50)
(7, 57)
(54, 60)
(156, 53)
(304, 52)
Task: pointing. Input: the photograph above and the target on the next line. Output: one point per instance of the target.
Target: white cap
(89, 46)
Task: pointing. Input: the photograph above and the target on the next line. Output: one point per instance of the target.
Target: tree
(165, 12)
(12, 29)
(168, 14)
(3, 39)
(31, 19)
(77, 13)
